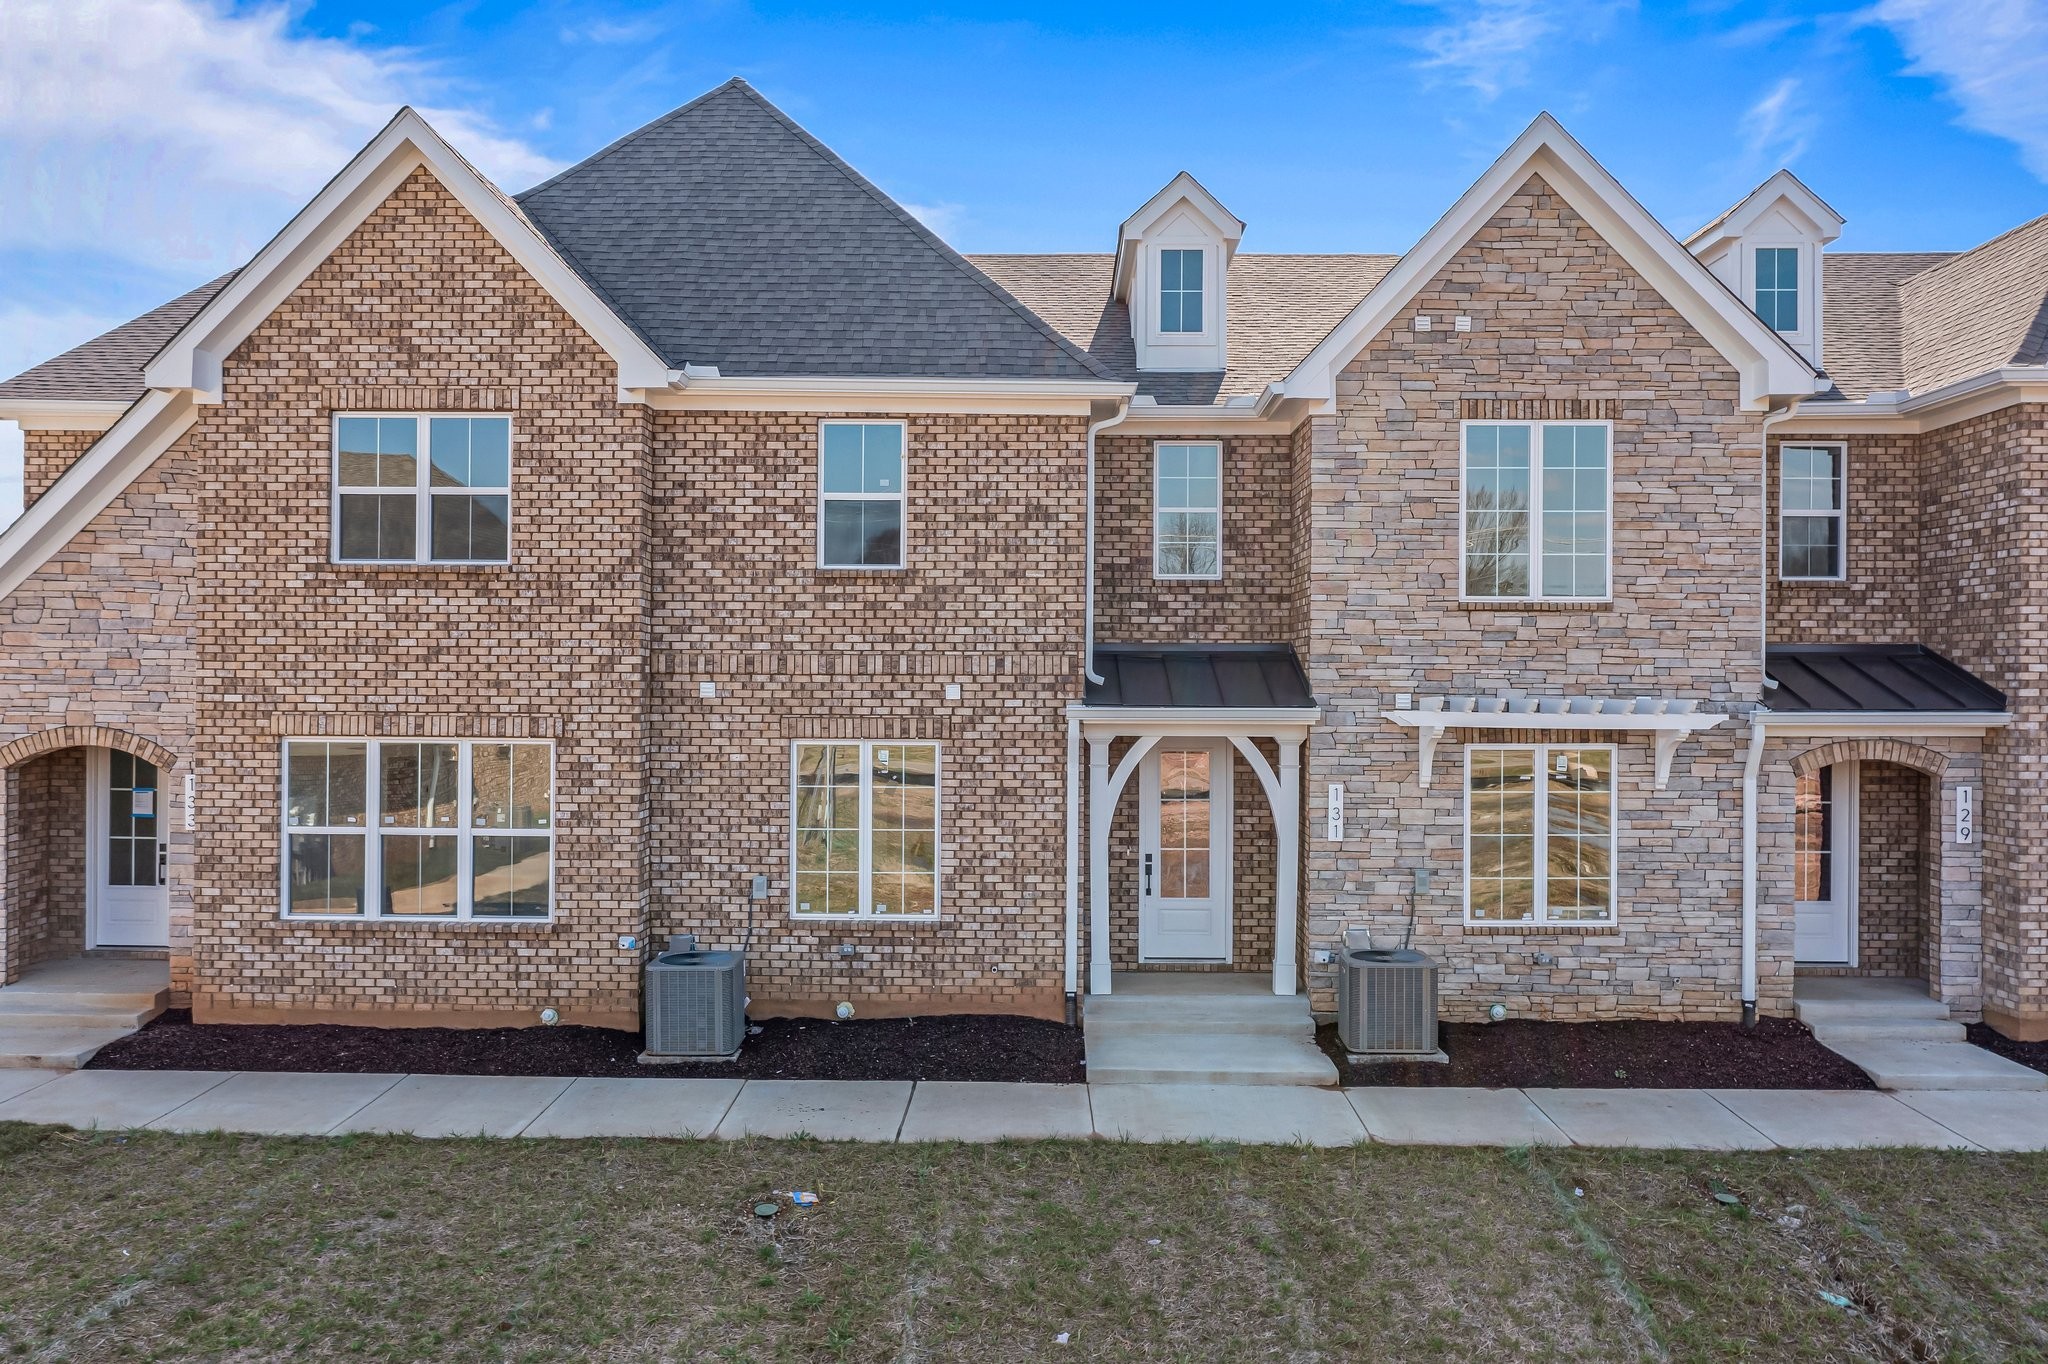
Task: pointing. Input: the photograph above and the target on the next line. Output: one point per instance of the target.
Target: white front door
(1184, 820)
(127, 902)
(1824, 867)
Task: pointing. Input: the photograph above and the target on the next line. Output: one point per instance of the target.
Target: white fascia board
(857, 394)
(1821, 218)
(63, 414)
(1902, 724)
(1768, 367)
(1918, 413)
(89, 486)
(192, 359)
(1183, 187)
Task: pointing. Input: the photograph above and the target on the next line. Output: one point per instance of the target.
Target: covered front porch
(1185, 793)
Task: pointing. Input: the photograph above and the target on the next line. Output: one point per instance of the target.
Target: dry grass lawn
(181, 1248)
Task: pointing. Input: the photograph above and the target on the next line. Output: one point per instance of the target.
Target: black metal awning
(1907, 678)
(1217, 676)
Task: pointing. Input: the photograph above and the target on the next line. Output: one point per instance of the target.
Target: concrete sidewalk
(285, 1104)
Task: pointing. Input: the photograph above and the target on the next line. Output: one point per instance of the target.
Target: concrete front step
(59, 1014)
(1893, 1064)
(1819, 1013)
(1891, 1030)
(1268, 1016)
(34, 1047)
(1206, 1059)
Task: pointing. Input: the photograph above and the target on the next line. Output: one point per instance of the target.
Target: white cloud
(1489, 45)
(1776, 129)
(181, 133)
(1991, 55)
(943, 219)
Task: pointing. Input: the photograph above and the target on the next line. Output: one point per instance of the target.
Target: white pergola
(1100, 727)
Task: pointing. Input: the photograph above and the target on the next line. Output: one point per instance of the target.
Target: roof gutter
(1898, 723)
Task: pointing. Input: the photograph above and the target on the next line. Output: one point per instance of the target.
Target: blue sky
(147, 145)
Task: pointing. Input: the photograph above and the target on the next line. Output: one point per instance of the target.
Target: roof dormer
(1172, 265)
(1767, 249)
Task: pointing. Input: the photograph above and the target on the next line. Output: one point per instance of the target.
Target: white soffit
(1768, 367)
(192, 358)
(187, 371)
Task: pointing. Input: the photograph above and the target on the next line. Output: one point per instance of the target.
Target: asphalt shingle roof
(1280, 307)
(729, 236)
(1860, 343)
(1978, 310)
(109, 367)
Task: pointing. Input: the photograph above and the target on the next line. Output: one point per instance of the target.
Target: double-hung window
(1539, 833)
(865, 824)
(391, 829)
(422, 489)
(860, 495)
(1777, 287)
(1180, 290)
(1187, 510)
(1536, 510)
(1812, 512)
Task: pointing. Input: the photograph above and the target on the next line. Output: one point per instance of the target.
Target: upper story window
(379, 828)
(865, 830)
(417, 489)
(1777, 287)
(1180, 289)
(1187, 510)
(860, 495)
(1536, 510)
(1812, 512)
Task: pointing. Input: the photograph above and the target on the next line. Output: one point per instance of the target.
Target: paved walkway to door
(288, 1104)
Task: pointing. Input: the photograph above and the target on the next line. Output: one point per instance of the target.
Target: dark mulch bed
(2033, 1054)
(947, 1047)
(1779, 1054)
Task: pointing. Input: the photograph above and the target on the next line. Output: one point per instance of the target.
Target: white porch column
(1100, 811)
(1287, 826)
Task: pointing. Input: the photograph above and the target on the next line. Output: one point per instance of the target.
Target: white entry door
(1824, 867)
(1184, 790)
(127, 902)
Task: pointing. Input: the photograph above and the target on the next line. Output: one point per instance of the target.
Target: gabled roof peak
(1182, 189)
(1782, 187)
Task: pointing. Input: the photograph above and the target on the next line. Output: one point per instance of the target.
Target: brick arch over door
(86, 736)
(1897, 751)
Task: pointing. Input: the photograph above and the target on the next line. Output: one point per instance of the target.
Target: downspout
(1073, 961)
(1115, 413)
(1753, 761)
(1120, 410)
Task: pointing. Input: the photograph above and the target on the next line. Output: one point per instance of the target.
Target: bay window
(406, 829)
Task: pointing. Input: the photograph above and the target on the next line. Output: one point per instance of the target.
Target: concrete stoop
(1203, 1028)
(1900, 1037)
(59, 1014)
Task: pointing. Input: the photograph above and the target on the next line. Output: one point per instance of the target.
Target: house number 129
(1966, 816)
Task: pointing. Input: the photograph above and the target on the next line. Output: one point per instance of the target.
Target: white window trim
(1158, 510)
(1840, 515)
(464, 831)
(1207, 331)
(423, 508)
(865, 913)
(901, 497)
(1542, 811)
(1801, 299)
(1535, 509)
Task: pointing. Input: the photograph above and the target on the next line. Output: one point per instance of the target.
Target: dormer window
(1777, 287)
(1180, 290)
